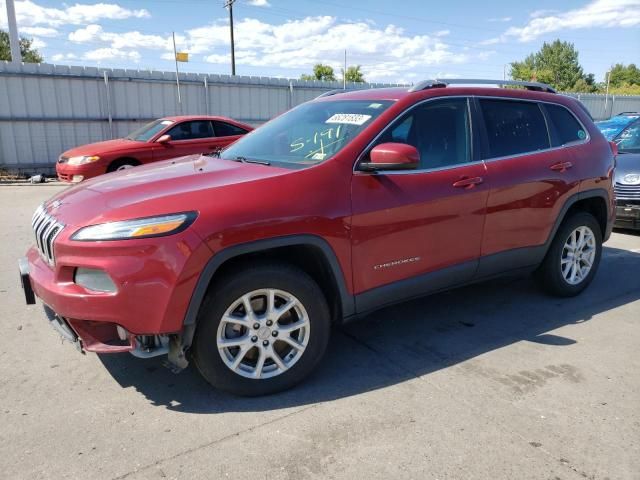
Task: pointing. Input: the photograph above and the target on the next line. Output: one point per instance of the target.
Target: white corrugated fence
(46, 109)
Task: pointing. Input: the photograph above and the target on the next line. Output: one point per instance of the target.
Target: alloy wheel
(578, 255)
(263, 333)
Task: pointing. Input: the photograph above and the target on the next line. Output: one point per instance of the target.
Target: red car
(338, 207)
(161, 139)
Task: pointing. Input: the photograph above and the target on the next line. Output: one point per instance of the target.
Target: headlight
(138, 228)
(83, 159)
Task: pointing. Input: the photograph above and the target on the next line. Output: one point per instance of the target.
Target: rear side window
(191, 130)
(224, 129)
(566, 129)
(514, 127)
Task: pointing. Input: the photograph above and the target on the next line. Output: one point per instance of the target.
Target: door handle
(561, 166)
(467, 182)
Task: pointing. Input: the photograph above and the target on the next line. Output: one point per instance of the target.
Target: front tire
(261, 330)
(122, 164)
(573, 258)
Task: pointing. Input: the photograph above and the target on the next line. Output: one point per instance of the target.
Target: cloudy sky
(401, 41)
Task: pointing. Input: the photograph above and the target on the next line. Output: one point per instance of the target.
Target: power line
(353, 56)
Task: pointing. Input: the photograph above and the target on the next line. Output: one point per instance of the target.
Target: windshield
(612, 128)
(148, 131)
(309, 134)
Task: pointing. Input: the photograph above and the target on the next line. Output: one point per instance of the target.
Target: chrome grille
(627, 192)
(46, 229)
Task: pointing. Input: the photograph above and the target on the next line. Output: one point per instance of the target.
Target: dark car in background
(624, 131)
(162, 139)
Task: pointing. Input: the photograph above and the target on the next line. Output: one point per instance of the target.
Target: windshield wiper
(251, 160)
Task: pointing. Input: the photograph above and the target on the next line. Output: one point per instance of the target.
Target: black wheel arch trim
(572, 200)
(214, 263)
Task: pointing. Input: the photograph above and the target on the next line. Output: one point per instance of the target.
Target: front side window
(565, 126)
(514, 127)
(629, 139)
(438, 129)
(308, 134)
(191, 130)
(150, 130)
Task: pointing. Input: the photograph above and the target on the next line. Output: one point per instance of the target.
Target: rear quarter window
(514, 127)
(565, 128)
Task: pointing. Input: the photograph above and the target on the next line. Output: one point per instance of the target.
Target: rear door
(532, 175)
(188, 138)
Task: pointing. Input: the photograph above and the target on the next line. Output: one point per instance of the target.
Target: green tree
(624, 90)
(624, 75)
(29, 54)
(354, 74)
(555, 63)
(320, 72)
(586, 84)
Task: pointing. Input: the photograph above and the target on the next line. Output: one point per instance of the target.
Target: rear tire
(278, 319)
(573, 257)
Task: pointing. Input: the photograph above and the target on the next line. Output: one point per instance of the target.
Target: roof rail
(331, 92)
(425, 84)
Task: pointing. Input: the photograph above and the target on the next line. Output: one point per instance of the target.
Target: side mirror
(164, 139)
(392, 156)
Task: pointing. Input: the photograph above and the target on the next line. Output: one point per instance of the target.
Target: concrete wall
(47, 109)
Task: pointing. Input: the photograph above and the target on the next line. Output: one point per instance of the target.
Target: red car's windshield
(148, 131)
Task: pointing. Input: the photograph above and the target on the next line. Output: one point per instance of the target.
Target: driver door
(188, 138)
(420, 230)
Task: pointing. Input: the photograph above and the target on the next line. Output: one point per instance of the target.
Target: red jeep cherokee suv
(343, 205)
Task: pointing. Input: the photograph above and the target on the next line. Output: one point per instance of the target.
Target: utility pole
(229, 5)
(14, 42)
(175, 57)
(606, 97)
(344, 72)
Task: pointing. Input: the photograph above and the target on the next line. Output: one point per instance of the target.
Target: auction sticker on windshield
(348, 118)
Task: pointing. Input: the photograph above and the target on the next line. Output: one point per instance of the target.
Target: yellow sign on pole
(182, 56)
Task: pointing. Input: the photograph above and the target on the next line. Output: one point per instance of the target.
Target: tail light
(614, 148)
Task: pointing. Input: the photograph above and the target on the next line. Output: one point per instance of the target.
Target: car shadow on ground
(628, 231)
(406, 341)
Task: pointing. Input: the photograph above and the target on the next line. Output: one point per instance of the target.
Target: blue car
(624, 130)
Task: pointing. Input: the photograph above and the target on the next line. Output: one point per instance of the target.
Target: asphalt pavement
(493, 381)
